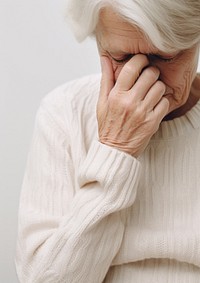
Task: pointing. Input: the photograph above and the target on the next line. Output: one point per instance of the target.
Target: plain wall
(37, 53)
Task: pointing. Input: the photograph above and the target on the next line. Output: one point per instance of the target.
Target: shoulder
(78, 89)
(72, 96)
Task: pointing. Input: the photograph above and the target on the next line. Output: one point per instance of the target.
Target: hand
(129, 111)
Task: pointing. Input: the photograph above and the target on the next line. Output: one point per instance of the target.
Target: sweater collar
(182, 125)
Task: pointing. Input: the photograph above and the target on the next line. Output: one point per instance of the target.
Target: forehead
(115, 34)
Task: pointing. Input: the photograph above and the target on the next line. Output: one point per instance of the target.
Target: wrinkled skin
(140, 85)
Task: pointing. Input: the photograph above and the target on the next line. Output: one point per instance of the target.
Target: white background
(37, 53)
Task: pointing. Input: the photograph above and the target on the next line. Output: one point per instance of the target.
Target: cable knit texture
(91, 214)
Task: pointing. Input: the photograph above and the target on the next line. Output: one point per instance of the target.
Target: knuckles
(120, 101)
(124, 104)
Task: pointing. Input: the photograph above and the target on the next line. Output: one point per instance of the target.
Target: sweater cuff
(115, 170)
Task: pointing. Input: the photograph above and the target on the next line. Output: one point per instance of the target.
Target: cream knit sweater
(90, 213)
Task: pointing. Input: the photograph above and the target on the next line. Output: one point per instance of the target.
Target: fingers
(107, 79)
(142, 83)
(154, 95)
(147, 78)
(162, 108)
(131, 71)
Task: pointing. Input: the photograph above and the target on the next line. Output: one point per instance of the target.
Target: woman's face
(119, 41)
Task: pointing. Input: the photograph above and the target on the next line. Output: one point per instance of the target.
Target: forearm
(80, 245)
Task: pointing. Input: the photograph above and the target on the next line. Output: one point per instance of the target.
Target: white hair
(170, 25)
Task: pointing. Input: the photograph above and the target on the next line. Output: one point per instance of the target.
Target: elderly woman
(113, 195)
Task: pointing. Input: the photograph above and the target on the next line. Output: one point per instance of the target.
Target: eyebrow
(121, 54)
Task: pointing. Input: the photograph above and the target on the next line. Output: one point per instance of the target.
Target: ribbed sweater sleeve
(68, 235)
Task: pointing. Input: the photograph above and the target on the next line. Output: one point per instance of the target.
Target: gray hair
(170, 25)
